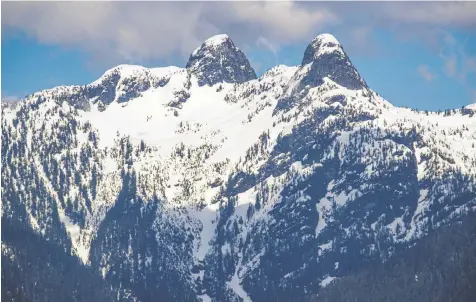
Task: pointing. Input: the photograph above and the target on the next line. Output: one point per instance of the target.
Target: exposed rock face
(323, 58)
(219, 60)
(328, 59)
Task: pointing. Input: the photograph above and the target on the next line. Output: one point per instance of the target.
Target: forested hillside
(441, 267)
(34, 269)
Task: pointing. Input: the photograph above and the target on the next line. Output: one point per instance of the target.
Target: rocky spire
(324, 57)
(219, 60)
(328, 59)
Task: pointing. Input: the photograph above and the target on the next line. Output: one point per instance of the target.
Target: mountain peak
(219, 60)
(217, 40)
(320, 45)
(329, 59)
(327, 37)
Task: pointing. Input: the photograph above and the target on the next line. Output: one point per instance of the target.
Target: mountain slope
(207, 183)
(44, 270)
(439, 268)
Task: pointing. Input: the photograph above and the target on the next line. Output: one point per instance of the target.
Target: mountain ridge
(168, 185)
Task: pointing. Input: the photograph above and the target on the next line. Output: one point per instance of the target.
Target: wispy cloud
(265, 43)
(457, 62)
(426, 73)
(456, 14)
(450, 66)
(257, 66)
(10, 98)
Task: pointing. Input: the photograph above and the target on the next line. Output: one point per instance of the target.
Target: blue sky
(421, 56)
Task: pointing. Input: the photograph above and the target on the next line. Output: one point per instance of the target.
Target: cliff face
(218, 60)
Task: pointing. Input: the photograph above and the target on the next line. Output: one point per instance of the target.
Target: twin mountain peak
(219, 60)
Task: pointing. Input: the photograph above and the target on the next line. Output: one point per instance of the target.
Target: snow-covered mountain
(207, 183)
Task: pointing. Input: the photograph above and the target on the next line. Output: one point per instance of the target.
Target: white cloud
(148, 30)
(142, 31)
(153, 30)
(283, 21)
(424, 71)
(457, 14)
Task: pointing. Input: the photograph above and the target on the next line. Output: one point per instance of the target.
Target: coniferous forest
(441, 267)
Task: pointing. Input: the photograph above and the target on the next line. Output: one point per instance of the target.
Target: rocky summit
(206, 183)
(219, 60)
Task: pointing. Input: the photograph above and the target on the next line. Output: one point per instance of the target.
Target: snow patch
(235, 285)
(327, 280)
